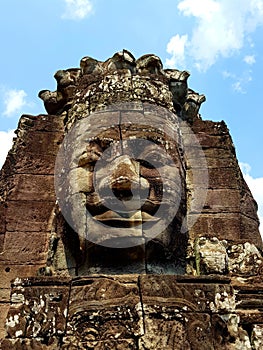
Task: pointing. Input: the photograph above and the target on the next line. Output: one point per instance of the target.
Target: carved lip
(132, 217)
(124, 218)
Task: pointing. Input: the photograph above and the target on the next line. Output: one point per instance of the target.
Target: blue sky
(218, 41)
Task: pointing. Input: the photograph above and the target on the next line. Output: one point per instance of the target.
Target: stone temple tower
(125, 221)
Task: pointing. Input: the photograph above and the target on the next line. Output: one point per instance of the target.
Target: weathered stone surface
(124, 312)
(244, 259)
(71, 343)
(30, 164)
(38, 308)
(28, 216)
(249, 298)
(220, 201)
(2, 218)
(100, 307)
(216, 225)
(40, 142)
(30, 344)
(177, 312)
(228, 334)
(2, 238)
(180, 331)
(24, 248)
(32, 187)
(249, 229)
(4, 307)
(218, 179)
(184, 295)
(212, 255)
(133, 260)
(9, 272)
(257, 337)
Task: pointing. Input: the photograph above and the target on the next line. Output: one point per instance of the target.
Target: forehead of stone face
(142, 138)
(148, 122)
(98, 131)
(136, 141)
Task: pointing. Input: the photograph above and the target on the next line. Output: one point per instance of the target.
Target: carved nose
(125, 180)
(122, 188)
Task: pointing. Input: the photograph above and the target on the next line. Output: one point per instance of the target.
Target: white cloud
(227, 74)
(77, 9)
(256, 187)
(249, 59)
(176, 48)
(6, 138)
(237, 87)
(240, 81)
(14, 100)
(220, 29)
(204, 9)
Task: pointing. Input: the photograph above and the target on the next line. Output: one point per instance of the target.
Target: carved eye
(145, 164)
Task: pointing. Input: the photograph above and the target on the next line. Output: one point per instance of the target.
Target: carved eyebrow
(89, 157)
(101, 142)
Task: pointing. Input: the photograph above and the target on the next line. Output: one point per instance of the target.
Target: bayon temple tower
(125, 221)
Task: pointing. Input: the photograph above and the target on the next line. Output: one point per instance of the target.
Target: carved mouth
(124, 219)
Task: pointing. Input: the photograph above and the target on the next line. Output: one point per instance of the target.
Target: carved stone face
(125, 188)
(132, 178)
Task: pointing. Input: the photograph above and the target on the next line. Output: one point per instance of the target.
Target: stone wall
(27, 200)
(135, 312)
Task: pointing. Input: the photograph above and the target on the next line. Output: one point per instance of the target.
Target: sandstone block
(219, 200)
(177, 331)
(25, 248)
(26, 163)
(42, 122)
(222, 226)
(217, 179)
(249, 230)
(31, 187)
(28, 216)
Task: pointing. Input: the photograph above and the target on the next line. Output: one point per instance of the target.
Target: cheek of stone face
(166, 178)
(82, 180)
